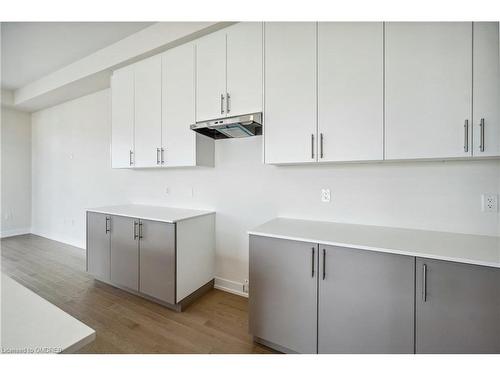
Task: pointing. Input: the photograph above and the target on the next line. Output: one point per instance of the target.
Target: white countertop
(155, 213)
(455, 247)
(31, 324)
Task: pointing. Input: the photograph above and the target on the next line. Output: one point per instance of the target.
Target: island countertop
(455, 247)
(155, 213)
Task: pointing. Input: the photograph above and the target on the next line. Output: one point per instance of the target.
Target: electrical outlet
(489, 202)
(245, 286)
(325, 195)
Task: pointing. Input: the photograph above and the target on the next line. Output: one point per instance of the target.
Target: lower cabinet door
(98, 245)
(283, 293)
(125, 252)
(366, 301)
(157, 260)
(457, 308)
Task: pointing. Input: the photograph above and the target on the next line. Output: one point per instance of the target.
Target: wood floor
(124, 323)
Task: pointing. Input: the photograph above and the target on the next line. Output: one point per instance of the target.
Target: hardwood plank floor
(124, 323)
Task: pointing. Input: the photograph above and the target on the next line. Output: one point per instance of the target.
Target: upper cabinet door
(211, 76)
(428, 83)
(148, 112)
(122, 118)
(244, 68)
(350, 91)
(178, 140)
(486, 106)
(290, 92)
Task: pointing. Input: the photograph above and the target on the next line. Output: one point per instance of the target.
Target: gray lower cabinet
(157, 260)
(457, 308)
(125, 252)
(98, 245)
(366, 301)
(283, 297)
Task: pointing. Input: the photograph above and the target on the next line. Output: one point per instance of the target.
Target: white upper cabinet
(244, 68)
(180, 145)
(229, 72)
(350, 91)
(486, 106)
(211, 76)
(148, 112)
(122, 118)
(428, 90)
(290, 92)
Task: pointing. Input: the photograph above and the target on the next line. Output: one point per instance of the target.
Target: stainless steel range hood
(231, 127)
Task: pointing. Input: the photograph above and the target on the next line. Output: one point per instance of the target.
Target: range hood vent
(231, 127)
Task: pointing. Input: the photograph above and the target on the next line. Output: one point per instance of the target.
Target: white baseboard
(60, 239)
(14, 232)
(230, 286)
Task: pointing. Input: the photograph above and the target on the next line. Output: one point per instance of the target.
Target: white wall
(71, 171)
(16, 172)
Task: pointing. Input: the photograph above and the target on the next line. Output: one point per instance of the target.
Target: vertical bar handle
(130, 162)
(321, 145)
(324, 264)
(135, 229)
(481, 138)
(424, 282)
(140, 229)
(466, 136)
(221, 104)
(312, 262)
(157, 156)
(108, 226)
(162, 155)
(228, 102)
(312, 146)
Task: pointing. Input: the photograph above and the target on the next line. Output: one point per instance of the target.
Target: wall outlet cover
(325, 195)
(489, 202)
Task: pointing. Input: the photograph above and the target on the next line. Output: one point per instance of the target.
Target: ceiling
(31, 50)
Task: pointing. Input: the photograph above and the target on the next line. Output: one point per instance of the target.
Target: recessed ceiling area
(31, 50)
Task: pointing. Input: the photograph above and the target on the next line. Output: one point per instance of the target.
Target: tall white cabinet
(290, 92)
(486, 98)
(229, 72)
(122, 118)
(428, 90)
(148, 112)
(350, 91)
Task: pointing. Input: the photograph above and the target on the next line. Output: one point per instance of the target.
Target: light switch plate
(325, 195)
(489, 202)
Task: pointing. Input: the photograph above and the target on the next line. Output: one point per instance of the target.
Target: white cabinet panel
(244, 68)
(211, 76)
(428, 78)
(486, 106)
(290, 92)
(147, 112)
(350, 91)
(122, 117)
(178, 140)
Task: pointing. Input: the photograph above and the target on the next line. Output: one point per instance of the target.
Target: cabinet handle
(481, 138)
(324, 264)
(162, 155)
(228, 102)
(221, 104)
(466, 136)
(108, 227)
(157, 156)
(135, 230)
(140, 229)
(321, 145)
(130, 161)
(424, 282)
(312, 146)
(312, 262)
